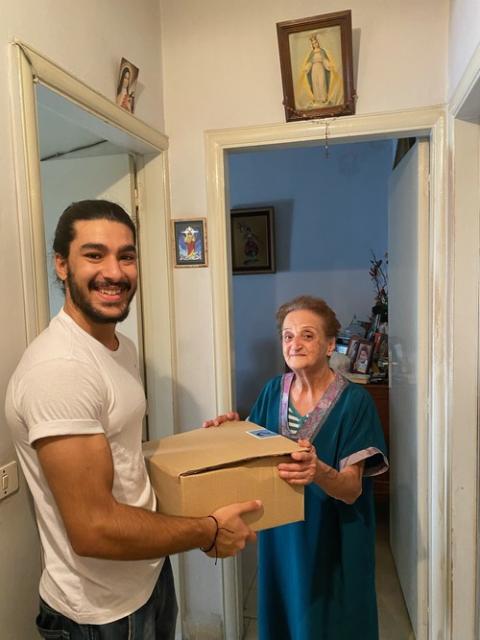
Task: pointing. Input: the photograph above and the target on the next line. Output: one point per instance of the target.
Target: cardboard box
(197, 472)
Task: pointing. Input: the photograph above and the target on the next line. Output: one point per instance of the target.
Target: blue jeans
(154, 621)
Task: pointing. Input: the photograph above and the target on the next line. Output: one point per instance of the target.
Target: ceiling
(66, 130)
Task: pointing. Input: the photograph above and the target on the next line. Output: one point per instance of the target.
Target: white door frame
(430, 123)
(465, 413)
(29, 67)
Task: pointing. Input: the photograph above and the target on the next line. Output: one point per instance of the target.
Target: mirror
(76, 163)
(72, 143)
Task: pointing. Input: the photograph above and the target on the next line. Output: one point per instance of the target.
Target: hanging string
(327, 131)
(326, 139)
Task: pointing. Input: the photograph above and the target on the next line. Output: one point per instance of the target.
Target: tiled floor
(250, 629)
(392, 614)
(250, 611)
(393, 617)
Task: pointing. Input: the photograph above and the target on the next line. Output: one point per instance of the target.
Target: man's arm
(79, 472)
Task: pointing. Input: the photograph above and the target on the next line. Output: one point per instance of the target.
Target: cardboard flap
(216, 447)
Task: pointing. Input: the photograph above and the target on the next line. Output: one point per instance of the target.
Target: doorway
(344, 130)
(331, 214)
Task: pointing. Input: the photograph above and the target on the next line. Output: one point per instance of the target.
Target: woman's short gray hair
(331, 325)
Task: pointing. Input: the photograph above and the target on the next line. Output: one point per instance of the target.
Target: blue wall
(329, 213)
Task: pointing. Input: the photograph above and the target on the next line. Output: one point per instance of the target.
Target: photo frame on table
(317, 66)
(190, 242)
(363, 357)
(252, 238)
(379, 340)
(352, 347)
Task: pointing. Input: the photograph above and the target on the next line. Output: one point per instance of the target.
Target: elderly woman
(317, 577)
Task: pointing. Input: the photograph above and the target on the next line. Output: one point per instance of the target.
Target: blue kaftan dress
(317, 577)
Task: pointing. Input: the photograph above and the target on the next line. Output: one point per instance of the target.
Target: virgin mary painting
(317, 66)
(318, 83)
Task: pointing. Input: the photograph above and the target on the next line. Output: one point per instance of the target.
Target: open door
(408, 336)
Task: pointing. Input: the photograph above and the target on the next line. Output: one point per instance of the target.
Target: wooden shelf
(379, 393)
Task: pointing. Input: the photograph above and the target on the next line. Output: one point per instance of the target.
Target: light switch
(8, 479)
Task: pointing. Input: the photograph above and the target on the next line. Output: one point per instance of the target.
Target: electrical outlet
(8, 479)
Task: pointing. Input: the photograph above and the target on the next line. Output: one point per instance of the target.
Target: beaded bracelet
(214, 542)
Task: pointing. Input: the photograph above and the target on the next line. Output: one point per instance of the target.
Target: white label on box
(262, 433)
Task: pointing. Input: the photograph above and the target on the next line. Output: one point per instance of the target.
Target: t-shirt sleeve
(364, 439)
(61, 397)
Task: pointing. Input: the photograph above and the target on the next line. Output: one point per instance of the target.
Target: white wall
(221, 70)
(464, 51)
(464, 38)
(87, 38)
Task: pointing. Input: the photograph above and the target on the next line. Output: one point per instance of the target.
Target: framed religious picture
(252, 234)
(316, 66)
(190, 242)
(126, 85)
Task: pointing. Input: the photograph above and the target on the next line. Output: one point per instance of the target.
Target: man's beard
(88, 309)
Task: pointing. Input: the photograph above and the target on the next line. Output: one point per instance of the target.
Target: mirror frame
(150, 148)
(33, 68)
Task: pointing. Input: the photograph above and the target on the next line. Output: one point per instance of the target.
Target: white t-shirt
(68, 383)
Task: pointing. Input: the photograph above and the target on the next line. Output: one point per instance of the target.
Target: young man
(75, 406)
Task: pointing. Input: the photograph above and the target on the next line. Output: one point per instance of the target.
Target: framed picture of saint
(126, 85)
(190, 242)
(252, 234)
(316, 66)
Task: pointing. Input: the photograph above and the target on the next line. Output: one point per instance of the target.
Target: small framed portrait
(361, 364)
(126, 85)
(316, 66)
(252, 233)
(190, 242)
(378, 343)
(353, 347)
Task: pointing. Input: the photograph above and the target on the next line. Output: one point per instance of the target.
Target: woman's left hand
(304, 468)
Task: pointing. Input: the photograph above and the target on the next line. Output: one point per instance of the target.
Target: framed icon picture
(190, 242)
(126, 85)
(316, 66)
(252, 236)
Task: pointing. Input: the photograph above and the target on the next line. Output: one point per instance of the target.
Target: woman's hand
(226, 417)
(304, 468)
(344, 485)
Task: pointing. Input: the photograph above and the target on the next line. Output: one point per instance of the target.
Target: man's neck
(104, 333)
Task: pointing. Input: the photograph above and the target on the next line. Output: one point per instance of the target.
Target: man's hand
(233, 534)
(226, 417)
